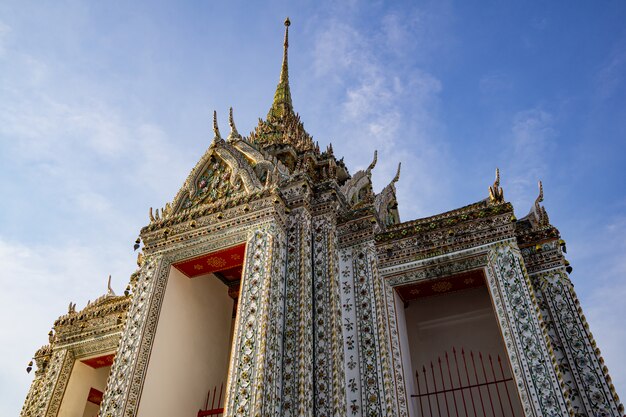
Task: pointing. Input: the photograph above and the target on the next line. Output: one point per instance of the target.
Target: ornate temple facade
(277, 283)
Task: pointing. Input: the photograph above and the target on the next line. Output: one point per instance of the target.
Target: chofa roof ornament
(234, 134)
(496, 193)
(369, 169)
(216, 129)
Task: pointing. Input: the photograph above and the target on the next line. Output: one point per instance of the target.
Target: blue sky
(105, 108)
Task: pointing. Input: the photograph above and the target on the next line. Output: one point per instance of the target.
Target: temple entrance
(86, 386)
(191, 351)
(454, 350)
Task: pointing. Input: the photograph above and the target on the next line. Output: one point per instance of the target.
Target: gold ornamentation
(442, 286)
(216, 262)
(496, 194)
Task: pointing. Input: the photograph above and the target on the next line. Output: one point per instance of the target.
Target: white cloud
(495, 83)
(531, 139)
(338, 46)
(85, 161)
(4, 34)
(385, 108)
(38, 282)
(603, 300)
(610, 78)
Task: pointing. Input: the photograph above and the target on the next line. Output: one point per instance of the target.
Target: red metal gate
(465, 388)
(213, 411)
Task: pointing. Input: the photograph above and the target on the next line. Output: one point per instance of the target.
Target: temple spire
(282, 98)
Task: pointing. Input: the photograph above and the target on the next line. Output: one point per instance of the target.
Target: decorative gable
(214, 183)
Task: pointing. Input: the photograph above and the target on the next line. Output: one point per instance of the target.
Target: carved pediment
(215, 182)
(221, 174)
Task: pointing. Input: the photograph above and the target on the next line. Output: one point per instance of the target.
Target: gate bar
(456, 409)
(505, 385)
(458, 375)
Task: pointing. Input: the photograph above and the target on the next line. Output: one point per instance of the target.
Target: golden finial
(233, 129)
(216, 129)
(373, 164)
(287, 24)
(496, 194)
(284, 72)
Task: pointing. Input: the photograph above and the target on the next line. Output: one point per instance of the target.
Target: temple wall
(191, 347)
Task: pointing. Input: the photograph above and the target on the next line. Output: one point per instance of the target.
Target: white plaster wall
(464, 320)
(82, 379)
(191, 347)
(91, 410)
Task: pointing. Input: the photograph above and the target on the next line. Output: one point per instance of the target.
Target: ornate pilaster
(46, 391)
(367, 349)
(586, 377)
(298, 327)
(131, 361)
(396, 355)
(253, 386)
(534, 366)
(329, 360)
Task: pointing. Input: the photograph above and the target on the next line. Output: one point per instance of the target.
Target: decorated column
(298, 328)
(534, 366)
(131, 361)
(329, 374)
(254, 384)
(368, 372)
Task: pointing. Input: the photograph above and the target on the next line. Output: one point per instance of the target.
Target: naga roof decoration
(385, 202)
(358, 188)
(535, 226)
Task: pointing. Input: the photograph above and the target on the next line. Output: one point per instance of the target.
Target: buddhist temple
(279, 283)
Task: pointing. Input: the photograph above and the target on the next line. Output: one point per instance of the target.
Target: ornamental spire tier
(282, 126)
(282, 97)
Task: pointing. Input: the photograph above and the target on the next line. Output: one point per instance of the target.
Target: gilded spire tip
(282, 97)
